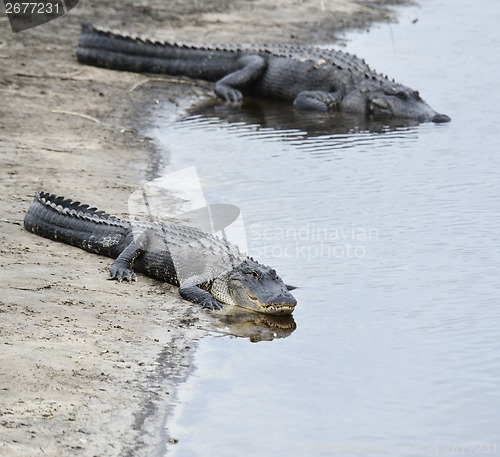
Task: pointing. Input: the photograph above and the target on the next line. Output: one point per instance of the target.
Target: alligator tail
(72, 223)
(120, 51)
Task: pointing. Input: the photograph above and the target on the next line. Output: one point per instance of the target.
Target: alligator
(313, 78)
(208, 270)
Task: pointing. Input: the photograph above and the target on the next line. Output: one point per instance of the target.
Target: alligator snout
(280, 305)
(284, 299)
(440, 118)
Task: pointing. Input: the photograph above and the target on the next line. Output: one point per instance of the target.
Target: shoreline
(89, 366)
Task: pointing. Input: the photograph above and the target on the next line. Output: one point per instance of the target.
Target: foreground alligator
(209, 271)
(313, 78)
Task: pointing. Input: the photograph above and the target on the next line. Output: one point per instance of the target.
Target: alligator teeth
(281, 309)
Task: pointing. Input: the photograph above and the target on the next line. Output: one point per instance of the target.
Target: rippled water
(391, 234)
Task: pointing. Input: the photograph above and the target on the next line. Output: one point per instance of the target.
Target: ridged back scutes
(68, 207)
(89, 28)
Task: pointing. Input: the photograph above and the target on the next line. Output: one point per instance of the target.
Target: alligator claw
(228, 94)
(211, 303)
(122, 273)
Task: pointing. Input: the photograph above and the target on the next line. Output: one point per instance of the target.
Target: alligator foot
(121, 273)
(211, 303)
(228, 93)
(250, 69)
(196, 295)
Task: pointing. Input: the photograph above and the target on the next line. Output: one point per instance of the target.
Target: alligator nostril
(440, 118)
(284, 299)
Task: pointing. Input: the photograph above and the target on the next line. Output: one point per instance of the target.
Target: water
(391, 234)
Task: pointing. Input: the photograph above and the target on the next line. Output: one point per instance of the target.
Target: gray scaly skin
(208, 271)
(313, 78)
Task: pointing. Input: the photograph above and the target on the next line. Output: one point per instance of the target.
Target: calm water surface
(391, 234)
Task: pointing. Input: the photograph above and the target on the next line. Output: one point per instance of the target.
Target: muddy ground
(88, 367)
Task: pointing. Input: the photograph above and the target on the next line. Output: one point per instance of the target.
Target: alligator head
(396, 101)
(255, 287)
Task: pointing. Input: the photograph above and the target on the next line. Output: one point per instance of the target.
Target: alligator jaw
(275, 309)
(279, 310)
(271, 310)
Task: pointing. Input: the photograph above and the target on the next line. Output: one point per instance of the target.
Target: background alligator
(313, 78)
(207, 270)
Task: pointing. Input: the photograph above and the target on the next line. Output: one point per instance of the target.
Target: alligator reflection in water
(254, 326)
(281, 117)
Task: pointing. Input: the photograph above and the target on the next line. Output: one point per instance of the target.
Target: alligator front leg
(190, 291)
(251, 68)
(121, 268)
(318, 100)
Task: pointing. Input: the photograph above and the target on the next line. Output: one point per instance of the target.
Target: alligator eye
(402, 95)
(253, 275)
